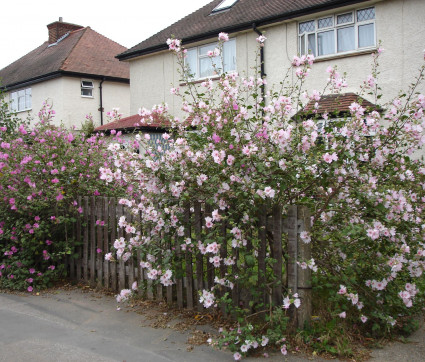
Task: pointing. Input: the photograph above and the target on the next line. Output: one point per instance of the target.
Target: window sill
(23, 110)
(326, 58)
(200, 80)
(90, 97)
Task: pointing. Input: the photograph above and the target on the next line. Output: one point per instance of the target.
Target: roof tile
(240, 16)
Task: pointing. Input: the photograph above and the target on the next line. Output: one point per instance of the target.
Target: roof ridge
(83, 30)
(113, 41)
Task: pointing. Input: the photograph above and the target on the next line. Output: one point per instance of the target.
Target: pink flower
(216, 138)
(98, 250)
(31, 271)
(342, 315)
(329, 158)
(30, 289)
(51, 267)
(237, 356)
(223, 36)
(59, 197)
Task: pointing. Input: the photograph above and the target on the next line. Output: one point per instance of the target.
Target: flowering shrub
(43, 170)
(236, 151)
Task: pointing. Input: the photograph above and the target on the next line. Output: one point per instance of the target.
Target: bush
(43, 170)
(236, 150)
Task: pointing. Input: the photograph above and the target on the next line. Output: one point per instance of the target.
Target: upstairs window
(87, 88)
(340, 33)
(201, 65)
(20, 100)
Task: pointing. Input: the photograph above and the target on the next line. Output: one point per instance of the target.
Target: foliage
(43, 170)
(237, 151)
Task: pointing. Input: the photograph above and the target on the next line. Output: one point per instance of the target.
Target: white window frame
(196, 73)
(303, 38)
(85, 86)
(25, 95)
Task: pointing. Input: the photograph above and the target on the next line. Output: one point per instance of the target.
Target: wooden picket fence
(96, 230)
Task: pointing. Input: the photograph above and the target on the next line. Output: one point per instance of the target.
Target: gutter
(242, 27)
(101, 99)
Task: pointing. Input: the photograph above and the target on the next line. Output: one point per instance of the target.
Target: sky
(128, 22)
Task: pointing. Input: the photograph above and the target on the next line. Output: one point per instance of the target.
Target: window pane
(27, 101)
(206, 68)
(21, 103)
(366, 14)
(346, 39)
(326, 42)
(204, 49)
(86, 92)
(192, 61)
(302, 45)
(229, 56)
(86, 83)
(308, 26)
(366, 35)
(326, 22)
(14, 101)
(345, 18)
(312, 44)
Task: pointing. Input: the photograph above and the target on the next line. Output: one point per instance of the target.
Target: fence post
(304, 275)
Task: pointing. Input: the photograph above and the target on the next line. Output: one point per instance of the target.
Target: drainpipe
(263, 73)
(101, 102)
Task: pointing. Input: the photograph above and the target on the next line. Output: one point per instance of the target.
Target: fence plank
(277, 254)
(130, 261)
(70, 259)
(92, 246)
(105, 248)
(197, 221)
(179, 271)
(79, 248)
(121, 265)
(210, 266)
(99, 243)
(262, 236)
(86, 240)
(223, 255)
(113, 228)
(188, 259)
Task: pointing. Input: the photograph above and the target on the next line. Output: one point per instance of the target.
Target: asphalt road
(70, 325)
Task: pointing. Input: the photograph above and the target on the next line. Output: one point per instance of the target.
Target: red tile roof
(136, 122)
(83, 51)
(202, 24)
(338, 103)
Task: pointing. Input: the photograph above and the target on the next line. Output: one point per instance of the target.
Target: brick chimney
(59, 29)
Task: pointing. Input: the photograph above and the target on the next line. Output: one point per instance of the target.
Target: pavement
(78, 326)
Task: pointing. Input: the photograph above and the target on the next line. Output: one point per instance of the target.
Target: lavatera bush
(236, 150)
(43, 170)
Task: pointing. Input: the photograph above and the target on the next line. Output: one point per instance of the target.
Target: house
(75, 71)
(152, 127)
(338, 32)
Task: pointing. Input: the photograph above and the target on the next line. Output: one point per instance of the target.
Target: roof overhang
(58, 74)
(243, 27)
